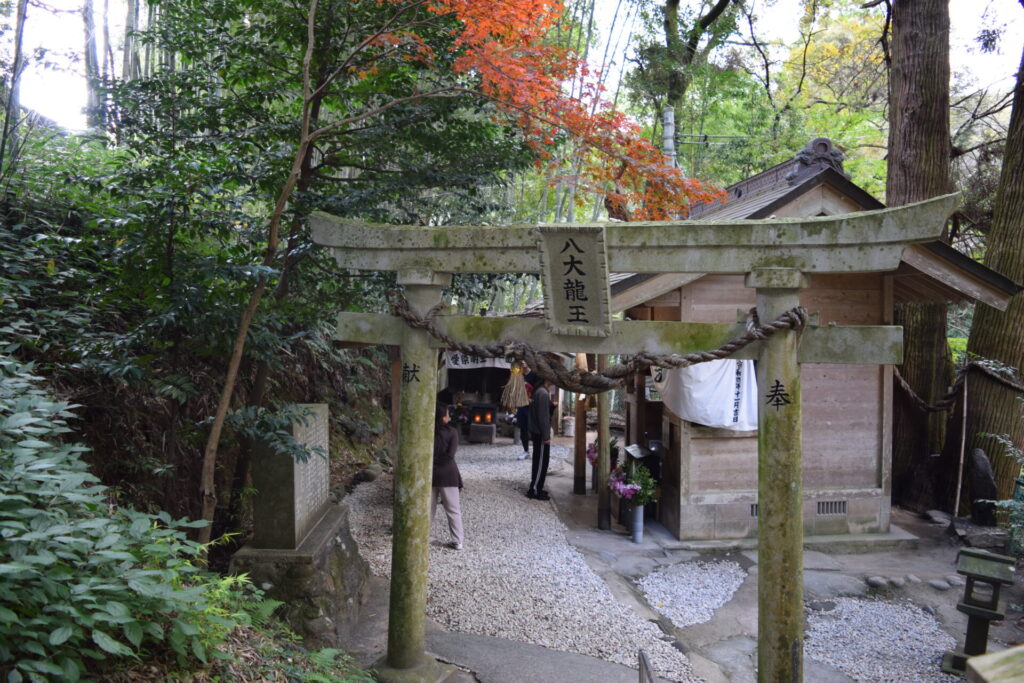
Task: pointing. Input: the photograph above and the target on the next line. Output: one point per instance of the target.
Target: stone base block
(482, 433)
(507, 429)
(428, 671)
(322, 583)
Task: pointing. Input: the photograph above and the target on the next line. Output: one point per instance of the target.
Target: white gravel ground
(875, 640)
(689, 593)
(518, 577)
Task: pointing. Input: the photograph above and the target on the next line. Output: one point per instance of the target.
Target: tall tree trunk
(919, 151)
(108, 50)
(93, 111)
(996, 335)
(131, 67)
(149, 56)
(12, 108)
(207, 485)
(683, 53)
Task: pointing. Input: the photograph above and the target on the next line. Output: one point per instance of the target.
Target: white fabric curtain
(718, 393)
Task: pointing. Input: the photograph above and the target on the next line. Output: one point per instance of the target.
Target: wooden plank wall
(842, 404)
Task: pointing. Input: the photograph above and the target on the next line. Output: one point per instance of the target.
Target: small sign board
(456, 360)
(574, 270)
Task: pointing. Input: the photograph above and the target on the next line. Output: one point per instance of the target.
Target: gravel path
(518, 577)
(875, 640)
(689, 593)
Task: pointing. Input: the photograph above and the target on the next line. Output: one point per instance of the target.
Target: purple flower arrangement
(617, 483)
(634, 482)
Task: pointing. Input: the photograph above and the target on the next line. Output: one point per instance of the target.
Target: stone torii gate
(774, 255)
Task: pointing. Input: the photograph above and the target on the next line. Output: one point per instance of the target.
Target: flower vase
(638, 523)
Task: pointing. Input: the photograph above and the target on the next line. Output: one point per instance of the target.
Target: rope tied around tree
(549, 365)
(1003, 376)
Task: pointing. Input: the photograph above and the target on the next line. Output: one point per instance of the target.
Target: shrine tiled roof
(818, 164)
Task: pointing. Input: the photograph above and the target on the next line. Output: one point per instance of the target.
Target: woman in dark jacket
(446, 480)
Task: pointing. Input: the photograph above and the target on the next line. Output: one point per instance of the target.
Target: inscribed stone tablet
(312, 476)
(574, 268)
(291, 495)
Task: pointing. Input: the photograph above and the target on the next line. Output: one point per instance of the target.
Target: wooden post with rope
(579, 463)
(604, 455)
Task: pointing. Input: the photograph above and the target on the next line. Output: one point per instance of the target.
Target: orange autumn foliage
(500, 43)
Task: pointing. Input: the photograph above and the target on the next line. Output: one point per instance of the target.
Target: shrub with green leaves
(1014, 506)
(83, 582)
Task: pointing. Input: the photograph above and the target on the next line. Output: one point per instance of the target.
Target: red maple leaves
(501, 43)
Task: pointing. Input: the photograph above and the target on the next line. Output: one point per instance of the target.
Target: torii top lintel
(868, 241)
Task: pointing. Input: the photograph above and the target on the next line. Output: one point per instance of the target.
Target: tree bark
(12, 110)
(207, 484)
(682, 55)
(131, 68)
(919, 169)
(93, 111)
(992, 407)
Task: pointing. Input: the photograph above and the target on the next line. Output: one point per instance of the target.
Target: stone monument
(291, 495)
(302, 552)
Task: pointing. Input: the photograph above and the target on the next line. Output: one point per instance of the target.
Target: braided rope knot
(551, 368)
(1000, 375)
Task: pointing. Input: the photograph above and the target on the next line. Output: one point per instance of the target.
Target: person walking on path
(540, 433)
(523, 423)
(446, 480)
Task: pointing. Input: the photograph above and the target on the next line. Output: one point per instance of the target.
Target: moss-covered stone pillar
(405, 659)
(780, 533)
(604, 462)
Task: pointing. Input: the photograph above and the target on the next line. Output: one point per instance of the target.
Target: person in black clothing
(540, 434)
(446, 480)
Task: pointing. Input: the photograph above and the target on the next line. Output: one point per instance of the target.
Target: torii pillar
(406, 659)
(780, 525)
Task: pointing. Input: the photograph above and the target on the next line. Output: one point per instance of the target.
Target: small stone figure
(983, 489)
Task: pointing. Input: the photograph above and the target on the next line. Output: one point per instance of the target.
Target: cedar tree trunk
(997, 335)
(919, 151)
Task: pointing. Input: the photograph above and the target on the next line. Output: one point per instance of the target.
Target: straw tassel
(514, 394)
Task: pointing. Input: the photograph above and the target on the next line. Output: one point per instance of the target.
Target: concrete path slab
(495, 660)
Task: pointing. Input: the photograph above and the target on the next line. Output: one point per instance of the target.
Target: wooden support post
(395, 356)
(780, 608)
(406, 659)
(604, 463)
(579, 463)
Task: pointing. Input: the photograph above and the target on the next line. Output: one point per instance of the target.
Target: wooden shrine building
(709, 474)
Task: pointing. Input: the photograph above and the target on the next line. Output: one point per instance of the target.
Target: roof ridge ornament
(819, 153)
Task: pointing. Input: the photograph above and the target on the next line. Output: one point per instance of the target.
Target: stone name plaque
(574, 269)
(291, 496)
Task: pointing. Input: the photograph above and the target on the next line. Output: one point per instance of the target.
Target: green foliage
(272, 427)
(1014, 506)
(641, 476)
(128, 260)
(334, 666)
(958, 347)
(84, 583)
